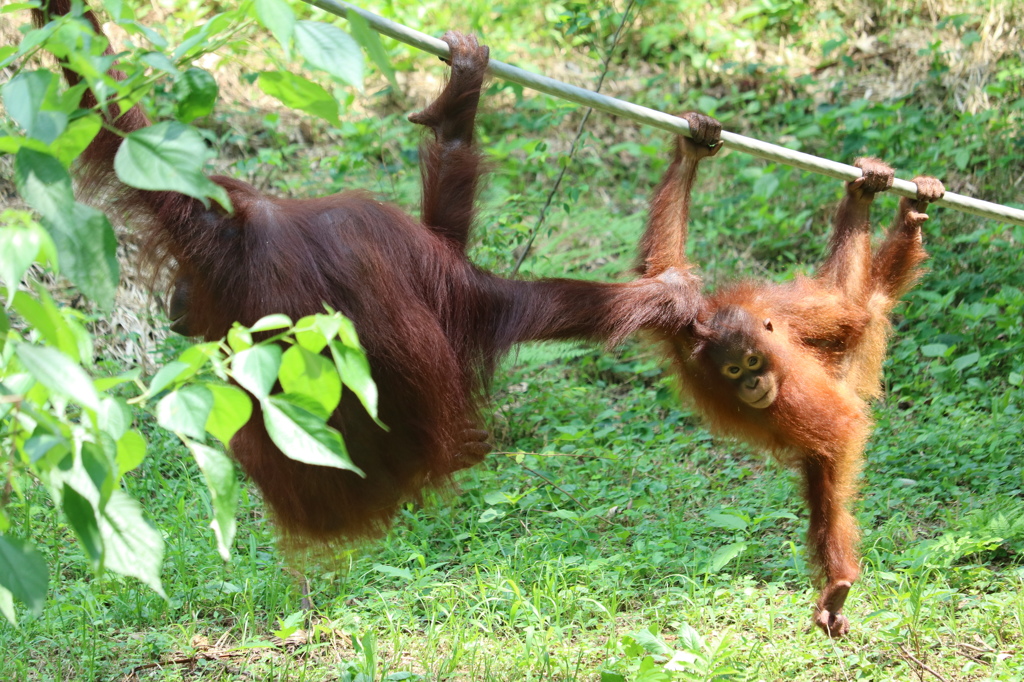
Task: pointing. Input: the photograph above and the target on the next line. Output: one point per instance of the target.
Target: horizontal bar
(658, 119)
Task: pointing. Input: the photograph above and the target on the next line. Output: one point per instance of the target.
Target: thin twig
(573, 455)
(191, 660)
(969, 656)
(920, 663)
(839, 658)
(572, 150)
(554, 485)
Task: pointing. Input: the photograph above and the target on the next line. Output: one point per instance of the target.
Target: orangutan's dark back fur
(432, 324)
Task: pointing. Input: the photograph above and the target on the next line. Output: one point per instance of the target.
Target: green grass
(612, 534)
(629, 521)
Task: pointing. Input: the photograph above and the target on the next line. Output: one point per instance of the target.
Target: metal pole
(665, 121)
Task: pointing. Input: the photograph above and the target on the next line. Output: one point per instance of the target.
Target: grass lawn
(610, 537)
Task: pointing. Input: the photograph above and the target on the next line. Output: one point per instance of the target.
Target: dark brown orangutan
(789, 366)
(432, 324)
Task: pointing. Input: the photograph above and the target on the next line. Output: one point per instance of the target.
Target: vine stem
(572, 149)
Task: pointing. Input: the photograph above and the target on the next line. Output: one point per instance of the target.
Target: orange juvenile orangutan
(789, 366)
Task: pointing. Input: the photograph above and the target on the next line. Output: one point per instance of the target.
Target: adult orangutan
(785, 366)
(432, 324)
(789, 366)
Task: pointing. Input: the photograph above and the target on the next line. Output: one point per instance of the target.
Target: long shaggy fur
(822, 340)
(433, 325)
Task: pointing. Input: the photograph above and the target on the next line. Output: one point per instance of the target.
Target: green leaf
(69, 101)
(76, 137)
(271, 323)
(44, 183)
(114, 8)
(313, 331)
(290, 624)
(198, 356)
(829, 45)
(370, 40)
(232, 408)
(198, 37)
(689, 637)
(496, 497)
(167, 375)
(45, 449)
(36, 38)
(89, 472)
(395, 572)
(347, 334)
(14, 384)
(23, 571)
(17, 7)
(185, 411)
(354, 370)
(132, 546)
(311, 375)
(82, 517)
(107, 383)
(87, 252)
(277, 17)
(724, 555)
(157, 40)
(651, 642)
(302, 436)
(131, 450)
(114, 416)
(256, 369)
(965, 361)
(57, 372)
(10, 144)
(83, 236)
(765, 185)
(168, 156)
(25, 97)
(299, 93)
(726, 521)
(311, 339)
(44, 316)
(491, 514)
(962, 157)
(160, 62)
(196, 92)
(219, 472)
(95, 471)
(239, 338)
(19, 247)
(329, 48)
(5, 326)
(934, 350)
(7, 606)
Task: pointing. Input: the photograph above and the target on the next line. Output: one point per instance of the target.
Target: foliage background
(618, 540)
